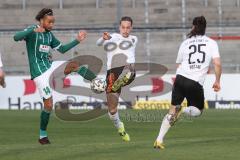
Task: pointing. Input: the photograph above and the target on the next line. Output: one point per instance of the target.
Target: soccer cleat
(158, 145)
(121, 82)
(44, 140)
(123, 133)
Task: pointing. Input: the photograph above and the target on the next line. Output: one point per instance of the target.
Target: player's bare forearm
(217, 68)
(218, 72)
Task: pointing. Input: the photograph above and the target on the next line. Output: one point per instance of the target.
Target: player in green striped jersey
(39, 39)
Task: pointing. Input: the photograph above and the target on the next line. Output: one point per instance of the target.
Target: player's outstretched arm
(23, 34)
(218, 72)
(80, 37)
(106, 36)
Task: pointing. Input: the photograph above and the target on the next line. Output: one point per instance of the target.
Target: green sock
(86, 73)
(43, 133)
(44, 118)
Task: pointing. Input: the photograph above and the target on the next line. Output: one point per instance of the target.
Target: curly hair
(44, 12)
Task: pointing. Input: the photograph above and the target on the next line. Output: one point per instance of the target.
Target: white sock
(116, 120)
(192, 111)
(164, 128)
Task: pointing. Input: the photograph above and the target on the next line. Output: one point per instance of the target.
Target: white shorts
(42, 81)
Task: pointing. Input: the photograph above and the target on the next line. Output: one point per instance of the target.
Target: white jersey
(118, 45)
(195, 55)
(1, 61)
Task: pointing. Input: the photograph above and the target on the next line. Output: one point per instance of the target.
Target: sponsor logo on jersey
(44, 48)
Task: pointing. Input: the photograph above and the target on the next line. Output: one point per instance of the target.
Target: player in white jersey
(2, 81)
(194, 57)
(120, 48)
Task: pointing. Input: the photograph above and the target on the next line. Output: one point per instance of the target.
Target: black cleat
(44, 140)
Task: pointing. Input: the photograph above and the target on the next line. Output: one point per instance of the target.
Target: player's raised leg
(126, 79)
(81, 70)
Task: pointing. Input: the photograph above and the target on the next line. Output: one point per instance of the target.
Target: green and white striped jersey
(38, 48)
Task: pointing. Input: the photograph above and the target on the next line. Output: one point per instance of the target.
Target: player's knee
(48, 104)
(48, 107)
(196, 113)
(193, 111)
(112, 111)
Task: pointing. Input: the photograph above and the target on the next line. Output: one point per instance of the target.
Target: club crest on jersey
(44, 48)
(133, 40)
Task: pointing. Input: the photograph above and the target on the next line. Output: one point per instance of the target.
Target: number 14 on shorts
(47, 90)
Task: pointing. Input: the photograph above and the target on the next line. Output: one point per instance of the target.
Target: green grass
(214, 136)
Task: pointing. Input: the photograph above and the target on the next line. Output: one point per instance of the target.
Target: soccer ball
(98, 85)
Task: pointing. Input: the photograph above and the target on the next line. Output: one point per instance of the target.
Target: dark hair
(129, 19)
(44, 12)
(199, 24)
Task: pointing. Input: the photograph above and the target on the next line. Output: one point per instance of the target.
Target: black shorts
(114, 73)
(189, 89)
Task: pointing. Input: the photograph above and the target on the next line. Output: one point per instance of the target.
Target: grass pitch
(213, 136)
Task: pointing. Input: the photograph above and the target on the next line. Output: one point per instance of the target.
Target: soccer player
(120, 45)
(194, 57)
(2, 74)
(39, 39)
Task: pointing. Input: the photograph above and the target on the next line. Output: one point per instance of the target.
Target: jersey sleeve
(215, 50)
(180, 54)
(24, 35)
(55, 43)
(100, 41)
